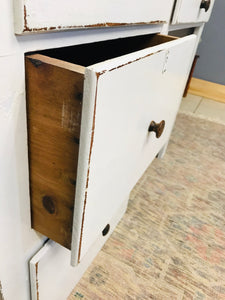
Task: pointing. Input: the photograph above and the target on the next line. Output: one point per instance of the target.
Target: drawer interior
(54, 92)
(89, 54)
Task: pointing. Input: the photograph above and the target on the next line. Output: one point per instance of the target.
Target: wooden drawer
(46, 15)
(187, 11)
(127, 84)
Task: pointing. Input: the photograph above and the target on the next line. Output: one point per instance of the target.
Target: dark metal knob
(157, 127)
(205, 4)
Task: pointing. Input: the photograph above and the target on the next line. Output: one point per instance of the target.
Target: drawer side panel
(54, 100)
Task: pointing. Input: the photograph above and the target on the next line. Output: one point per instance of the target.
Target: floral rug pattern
(171, 242)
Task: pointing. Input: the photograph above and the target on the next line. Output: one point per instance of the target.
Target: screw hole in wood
(106, 230)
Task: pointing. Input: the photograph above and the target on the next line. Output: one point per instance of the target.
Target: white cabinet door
(187, 11)
(45, 15)
(122, 96)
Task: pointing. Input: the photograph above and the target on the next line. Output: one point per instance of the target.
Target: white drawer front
(121, 97)
(44, 15)
(187, 11)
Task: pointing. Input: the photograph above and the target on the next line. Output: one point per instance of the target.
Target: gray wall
(211, 64)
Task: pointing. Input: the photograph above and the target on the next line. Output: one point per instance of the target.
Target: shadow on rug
(171, 242)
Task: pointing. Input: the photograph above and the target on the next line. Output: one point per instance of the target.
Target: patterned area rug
(171, 242)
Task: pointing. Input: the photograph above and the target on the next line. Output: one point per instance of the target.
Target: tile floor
(203, 106)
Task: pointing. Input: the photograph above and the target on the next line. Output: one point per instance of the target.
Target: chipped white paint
(44, 15)
(187, 11)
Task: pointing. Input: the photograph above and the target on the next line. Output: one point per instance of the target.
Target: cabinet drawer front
(45, 15)
(187, 11)
(121, 98)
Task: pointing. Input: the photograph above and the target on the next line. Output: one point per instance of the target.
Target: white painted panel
(36, 15)
(51, 275)
(187, 11)
(122, 96)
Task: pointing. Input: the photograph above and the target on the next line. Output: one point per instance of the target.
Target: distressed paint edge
(33, 266)
(37, 284)
(128, 63)
(127, 58)
(24, 29)
(88, 170)
(90, 82)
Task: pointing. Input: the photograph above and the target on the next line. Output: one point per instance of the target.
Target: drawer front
(122, 97)
(47, 15)
(187, 11)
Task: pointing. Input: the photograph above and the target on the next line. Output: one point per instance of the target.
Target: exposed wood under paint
(54, 99)
(37, 285)
(207, 89)
(98, 25)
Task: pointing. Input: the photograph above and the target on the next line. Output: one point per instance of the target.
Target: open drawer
(190, 11)
(98, 100)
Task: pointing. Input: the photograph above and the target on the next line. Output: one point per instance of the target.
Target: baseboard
(207, 89)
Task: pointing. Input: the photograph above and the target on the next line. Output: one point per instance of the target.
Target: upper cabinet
(48, 15)
(188, 11)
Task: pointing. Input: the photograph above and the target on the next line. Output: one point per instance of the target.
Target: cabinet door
(187, 11)
(45, 15)
(122, 96)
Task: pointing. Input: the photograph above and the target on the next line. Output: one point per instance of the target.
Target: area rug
(171, 242)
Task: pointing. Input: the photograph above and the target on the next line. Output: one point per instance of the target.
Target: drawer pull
(205, 4)
(157, 128)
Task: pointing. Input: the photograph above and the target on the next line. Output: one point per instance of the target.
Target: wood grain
(207, 89)
(54, 100)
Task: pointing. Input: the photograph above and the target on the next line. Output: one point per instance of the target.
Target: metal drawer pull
(157, 128)
(205, 4)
